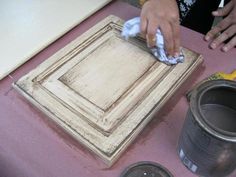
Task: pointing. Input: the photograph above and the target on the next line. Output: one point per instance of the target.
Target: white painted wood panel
(98, 71)
(28, 26)
(102, 89)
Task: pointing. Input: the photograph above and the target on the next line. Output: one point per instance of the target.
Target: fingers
(227, 27)
(166, 30)
(223, 11)
(176, 38)
(223, 37)
(144, 24)
(171, 34)
(229, 45)
(151, 32)
(148, 29)
(151, 40)
(225, 23)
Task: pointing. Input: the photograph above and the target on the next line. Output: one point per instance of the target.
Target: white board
(28, 26)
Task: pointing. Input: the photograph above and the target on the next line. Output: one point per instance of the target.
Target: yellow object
(222, 75)
(216, 76)
(141, 2)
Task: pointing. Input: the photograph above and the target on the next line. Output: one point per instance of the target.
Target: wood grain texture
(102, 89)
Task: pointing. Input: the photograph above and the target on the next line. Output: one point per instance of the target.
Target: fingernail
(225, 49)
(176, 54)
(213, 45)
(207, 38)
(215, 13)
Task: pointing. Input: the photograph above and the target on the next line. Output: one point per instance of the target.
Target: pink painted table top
(31, 147)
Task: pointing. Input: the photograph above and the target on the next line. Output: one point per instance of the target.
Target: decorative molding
(102, 89)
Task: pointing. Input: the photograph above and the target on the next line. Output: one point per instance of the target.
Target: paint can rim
(197, 114)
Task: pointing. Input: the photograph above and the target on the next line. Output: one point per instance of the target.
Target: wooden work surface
(30, 147)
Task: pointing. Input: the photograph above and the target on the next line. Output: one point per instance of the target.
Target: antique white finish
(102, 89)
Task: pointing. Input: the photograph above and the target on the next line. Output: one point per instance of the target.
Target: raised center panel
(103, 79)
(108, 72)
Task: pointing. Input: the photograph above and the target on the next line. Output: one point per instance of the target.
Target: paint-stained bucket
(207, 144)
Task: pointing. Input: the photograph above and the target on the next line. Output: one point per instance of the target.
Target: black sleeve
(199, 17)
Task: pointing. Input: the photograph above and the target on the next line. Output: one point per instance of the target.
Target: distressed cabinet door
(102, 90)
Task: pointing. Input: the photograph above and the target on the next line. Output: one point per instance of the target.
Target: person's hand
(162, 14)
(227, 26)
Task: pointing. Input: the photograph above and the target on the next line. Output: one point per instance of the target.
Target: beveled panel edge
(108, 129)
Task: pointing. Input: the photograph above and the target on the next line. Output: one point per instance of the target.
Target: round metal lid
(146, 169)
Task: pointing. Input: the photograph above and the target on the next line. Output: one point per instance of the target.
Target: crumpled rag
(131, 28)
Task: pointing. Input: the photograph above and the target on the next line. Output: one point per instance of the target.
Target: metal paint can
(207, 144)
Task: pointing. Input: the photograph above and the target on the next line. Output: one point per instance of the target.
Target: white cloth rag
(131, 28)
